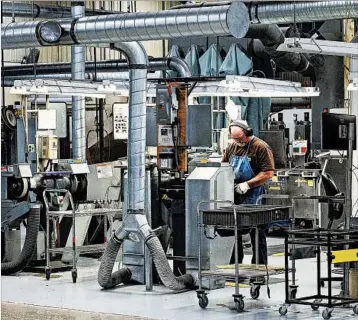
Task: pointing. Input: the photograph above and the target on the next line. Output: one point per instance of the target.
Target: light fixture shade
(324, 47)
(253, 87)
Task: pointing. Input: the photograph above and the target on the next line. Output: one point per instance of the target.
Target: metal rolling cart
(54, 216)
(318, 238)
(236, 217)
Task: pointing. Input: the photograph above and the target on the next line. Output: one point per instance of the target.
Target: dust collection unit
(159, 147)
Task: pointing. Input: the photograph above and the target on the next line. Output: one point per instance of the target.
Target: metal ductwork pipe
(115, 70)
(231, 19)
(172, 63)
(78, 58)
(36, 11)
(29, 34)
(271, 37)
(290, 102)
(135, 218)
(296, 11)
(138, 65)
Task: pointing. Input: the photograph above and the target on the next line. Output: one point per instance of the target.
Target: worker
(253, 164)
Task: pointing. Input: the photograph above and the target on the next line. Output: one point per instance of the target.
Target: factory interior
(179, 159)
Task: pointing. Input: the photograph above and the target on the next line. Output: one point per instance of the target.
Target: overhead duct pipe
(172, 63)
(231, 19)
(36, 11)
(115, 71)
(135, 216)
(271, 37)
(290, 102)
(78, 58)
(296, 11)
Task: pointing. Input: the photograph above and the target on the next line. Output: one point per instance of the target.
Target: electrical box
(46, 120)
(47, 147)
(166, 159)
(164, 105)
(299, 147)
(165, 136)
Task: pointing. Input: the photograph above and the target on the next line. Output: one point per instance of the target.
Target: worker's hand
(242, 188)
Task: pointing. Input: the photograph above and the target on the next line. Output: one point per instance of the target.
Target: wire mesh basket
(247, 215)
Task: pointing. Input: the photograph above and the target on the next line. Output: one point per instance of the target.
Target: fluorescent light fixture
(64, 88)
(324, 47)
(253, 87)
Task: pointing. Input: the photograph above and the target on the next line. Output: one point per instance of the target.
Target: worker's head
(240, 131)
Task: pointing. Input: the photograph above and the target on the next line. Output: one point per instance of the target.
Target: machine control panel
(165, 136)
(120, 121)
(299, 147)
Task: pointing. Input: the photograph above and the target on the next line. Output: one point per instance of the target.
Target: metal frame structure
(238, 218)
(73, 213)
(319, 238)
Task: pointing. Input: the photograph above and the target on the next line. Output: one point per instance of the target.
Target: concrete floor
(17, 311)
(86, 296)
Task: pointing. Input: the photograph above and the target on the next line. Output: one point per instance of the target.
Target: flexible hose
(33, 223)
(107, 279)
(271, 37)
(163, 268)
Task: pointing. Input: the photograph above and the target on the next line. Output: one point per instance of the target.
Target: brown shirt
(260, 155)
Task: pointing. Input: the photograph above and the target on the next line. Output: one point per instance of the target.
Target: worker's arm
(260, 179)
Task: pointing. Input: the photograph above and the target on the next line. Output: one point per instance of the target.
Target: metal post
(318, 252)
(78, 58)
(329, 270)
(348, 203)
(292, 227)
(287, 280)
(147, 257)
(101, 130)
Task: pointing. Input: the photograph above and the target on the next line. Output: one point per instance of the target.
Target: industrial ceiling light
(253, 87)
(324, 47)
(64, 88)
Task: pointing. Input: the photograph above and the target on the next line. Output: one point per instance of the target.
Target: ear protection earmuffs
(248, 131)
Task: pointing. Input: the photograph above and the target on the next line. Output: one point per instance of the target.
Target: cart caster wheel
(355, 309)
(314, 307)
(255, 292)
(48, 274)
(282, 310)
(326, 314)
(239, 305)
(74, 276)
(203, 301)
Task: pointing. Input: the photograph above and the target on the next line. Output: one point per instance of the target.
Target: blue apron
(243, 173)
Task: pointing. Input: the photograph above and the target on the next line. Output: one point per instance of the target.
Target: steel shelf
(91, 248)
(87, 212)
